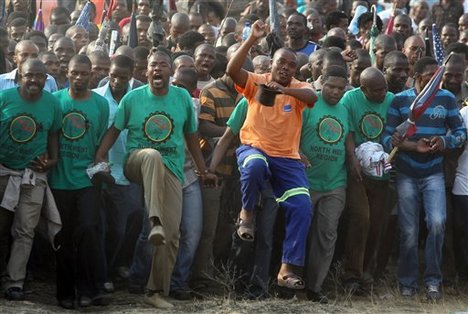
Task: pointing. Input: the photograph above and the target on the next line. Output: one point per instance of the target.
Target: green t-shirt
(84, 123)
(367, 119)
(238, 115)
(158, 122)
(323, 136)
(24, 127)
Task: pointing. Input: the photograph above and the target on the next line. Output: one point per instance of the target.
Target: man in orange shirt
(270, 150)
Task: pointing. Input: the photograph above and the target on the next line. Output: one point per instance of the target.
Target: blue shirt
(309, 48)
(7, 80)
(118, 152)
(441, 115)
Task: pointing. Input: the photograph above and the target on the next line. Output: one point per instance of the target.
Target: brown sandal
(245, 230)
(291, 281)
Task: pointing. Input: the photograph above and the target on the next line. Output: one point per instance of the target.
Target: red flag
(391, 22)
(110, 9)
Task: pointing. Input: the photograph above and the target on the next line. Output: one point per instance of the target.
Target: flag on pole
(427, 43)
(374, 32)
(419, 106)
(39, 21)
(132, 33)
(83, 19)
(391, 22)
(110, 8)
(437, 45)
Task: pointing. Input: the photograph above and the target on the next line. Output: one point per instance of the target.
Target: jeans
(191, 227)
(120, 202)
(254, 258)
(413, 194)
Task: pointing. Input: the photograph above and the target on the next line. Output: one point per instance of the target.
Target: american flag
(83, 19)
(437, 45)
(38, 21)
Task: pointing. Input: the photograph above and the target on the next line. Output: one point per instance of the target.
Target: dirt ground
(382, 298)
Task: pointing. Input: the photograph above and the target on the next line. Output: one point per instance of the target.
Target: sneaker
(157, 236)
(433, 293)
(108, 287)
(123, 272)
(407, 292)
(157, 301)
(317, 297)
(14, 294)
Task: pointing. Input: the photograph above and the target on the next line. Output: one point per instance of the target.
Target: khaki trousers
(163, 200)
(25, 219)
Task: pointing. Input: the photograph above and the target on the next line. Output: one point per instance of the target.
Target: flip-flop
(291, 281)
(245, 230)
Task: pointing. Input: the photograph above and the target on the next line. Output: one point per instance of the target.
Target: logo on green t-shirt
(74, 125)
(330, 130)
(371, 125)
(158, 127)
(23, 128)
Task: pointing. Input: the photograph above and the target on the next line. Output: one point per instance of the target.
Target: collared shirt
(8, 80)
(118, 152)
(217, 102)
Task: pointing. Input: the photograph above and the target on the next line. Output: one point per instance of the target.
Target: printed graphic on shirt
(330, 130)
(158, 127)
(23, 128)
(371, 125)
(439, 112)
(74, 125)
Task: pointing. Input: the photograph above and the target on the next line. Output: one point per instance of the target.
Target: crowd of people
(198, 138)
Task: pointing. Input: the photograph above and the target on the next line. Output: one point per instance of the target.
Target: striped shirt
(441, 116)
(217, 101)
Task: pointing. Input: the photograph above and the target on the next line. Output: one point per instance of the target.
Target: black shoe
(318, 297)
(181, 294)
(100, 300)
(68, 304)
(14, 294)
(84, 301)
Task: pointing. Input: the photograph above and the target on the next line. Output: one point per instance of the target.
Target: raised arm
(234, 67)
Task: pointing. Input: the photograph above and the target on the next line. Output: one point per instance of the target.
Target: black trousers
(79, 257)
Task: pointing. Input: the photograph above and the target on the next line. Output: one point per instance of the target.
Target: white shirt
(460, 187)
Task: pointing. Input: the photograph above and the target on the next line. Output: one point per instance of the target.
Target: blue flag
(83, 19)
